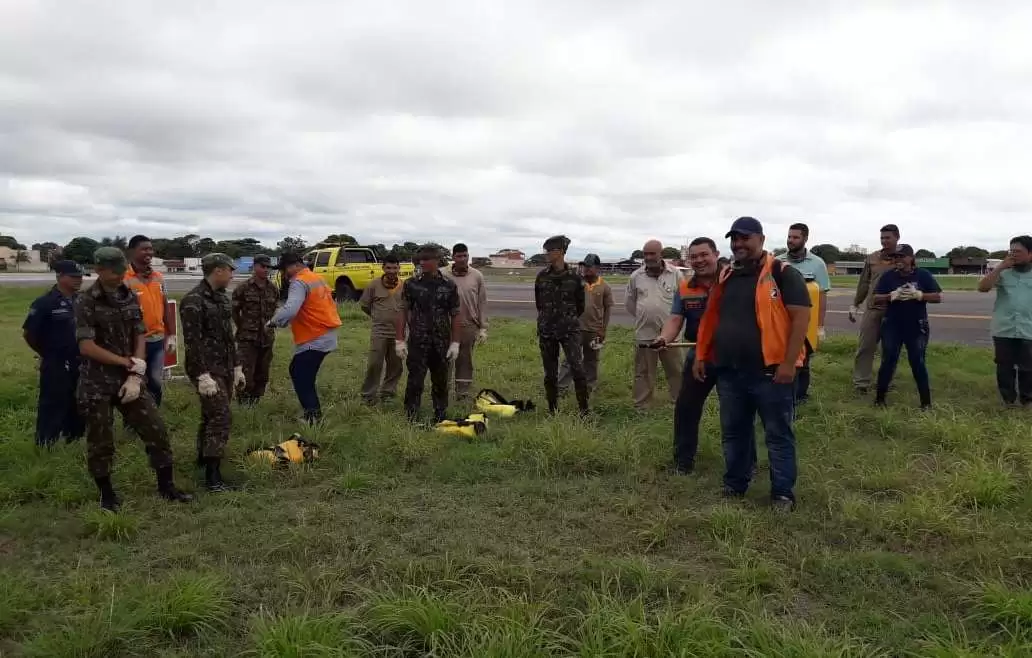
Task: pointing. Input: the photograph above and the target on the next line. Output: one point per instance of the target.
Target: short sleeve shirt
(911, 312)
(810, 266)
(1012, 310)
(431, 301)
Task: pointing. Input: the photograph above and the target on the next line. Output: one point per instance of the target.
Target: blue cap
(746, 226)
(67, 268)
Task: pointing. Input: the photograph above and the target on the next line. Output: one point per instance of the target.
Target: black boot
(412, 413)
(167, 488)
(108, 498)
(582, 401)
(439, 415)
(213, 476)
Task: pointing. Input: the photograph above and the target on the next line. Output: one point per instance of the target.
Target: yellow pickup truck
(348, 270)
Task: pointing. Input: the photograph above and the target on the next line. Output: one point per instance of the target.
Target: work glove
(138, 367)
(206, 386)
(821, 334)
(898, 294)
(597, 343)
(401, 349)
(481, 337)
(130, 390)
(453, 352)
(854, 313)
(238, 377)
(916, 295)
(170, 344)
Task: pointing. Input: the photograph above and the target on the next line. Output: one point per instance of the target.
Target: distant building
(508, 258)
(934, 265)
(31, 261)
(967, 265)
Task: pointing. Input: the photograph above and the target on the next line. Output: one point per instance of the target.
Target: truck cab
(348, 270)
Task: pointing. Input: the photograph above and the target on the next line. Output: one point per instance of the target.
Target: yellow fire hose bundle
(492, 402)
(470, 427)
(295, 450)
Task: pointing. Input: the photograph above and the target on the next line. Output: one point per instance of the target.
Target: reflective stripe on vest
(771, 317)
(318, 313)
(151, 296)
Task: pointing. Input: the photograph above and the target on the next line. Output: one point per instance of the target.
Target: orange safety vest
(771, 316)
(318, 313)
(150, 293)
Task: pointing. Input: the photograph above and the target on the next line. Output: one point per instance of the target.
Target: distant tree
(829, 253)
(207, 246)
(119, 242)
(671, 253)
(924, 253)
(1001, 254)
(637, 254)
(47, 251)
(536, 260)
(176, 248)
(480, 261)
(9, 242)
(852, 256)
(21, 257)
(292, 245)
(967, 252)
(336, 240)
(81, 250)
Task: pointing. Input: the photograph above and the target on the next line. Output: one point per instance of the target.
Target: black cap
(746, 226)
(560, 242)
(67, 268)
(591, 260)
(286, 260)
(903, 250)
(428, 252)
(262, 259)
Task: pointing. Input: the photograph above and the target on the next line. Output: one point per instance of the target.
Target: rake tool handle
(677, 344)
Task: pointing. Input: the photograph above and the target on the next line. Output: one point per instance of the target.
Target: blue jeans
(743, 394)
(894, 337)
(304, 368)
(155, 357)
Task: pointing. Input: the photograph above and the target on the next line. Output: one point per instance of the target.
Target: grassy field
(547, 537)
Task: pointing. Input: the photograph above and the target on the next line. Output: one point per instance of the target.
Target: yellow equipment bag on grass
(492, 402)
(815, 312)
(295, 450)
(469, 427)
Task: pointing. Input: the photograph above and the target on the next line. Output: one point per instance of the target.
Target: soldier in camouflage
(559, 297)
(430, 311)
(211, 362)
(254, 304)
(111, 336)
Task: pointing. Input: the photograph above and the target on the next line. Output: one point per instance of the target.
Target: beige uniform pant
(463, 366)
(867, 345)
(381, 353)
(646, 365)
(590, 359)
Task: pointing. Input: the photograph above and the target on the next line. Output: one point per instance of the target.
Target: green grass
(546, 537)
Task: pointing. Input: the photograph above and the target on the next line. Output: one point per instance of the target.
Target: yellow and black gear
(492, 402)
(470, 427)
(295, 450)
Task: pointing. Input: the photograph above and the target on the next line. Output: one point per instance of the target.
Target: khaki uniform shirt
(383, 305)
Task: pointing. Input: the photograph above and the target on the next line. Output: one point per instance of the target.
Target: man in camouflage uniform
(559, 297)
(430, 310)
(211, 362)
(111, 335)
(254, 304)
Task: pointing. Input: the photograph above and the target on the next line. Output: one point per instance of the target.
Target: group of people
(746, 324)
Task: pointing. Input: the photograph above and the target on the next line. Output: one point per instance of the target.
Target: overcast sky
(500, 123)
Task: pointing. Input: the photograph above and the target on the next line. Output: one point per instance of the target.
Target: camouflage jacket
(432, 301)
(207, 331)
(114, 321)
(254, 304)
(559, 297)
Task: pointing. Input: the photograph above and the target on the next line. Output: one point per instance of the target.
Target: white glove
(238, 377)
(596, 343)
(139, 366)
(206, 386)
(897, 294)
(130, 390)
(453, 352)
(170, 344)
(916, 295)
(821, 334)
(481, 337)
(401, 349)
(854, 313)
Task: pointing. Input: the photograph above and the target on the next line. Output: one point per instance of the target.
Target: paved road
(963, 317)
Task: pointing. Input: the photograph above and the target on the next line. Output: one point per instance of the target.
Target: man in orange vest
(752, 336)
(149, 287)
(313, 319)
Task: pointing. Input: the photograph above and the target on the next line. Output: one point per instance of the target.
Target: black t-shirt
(909, 313)
(737, 336)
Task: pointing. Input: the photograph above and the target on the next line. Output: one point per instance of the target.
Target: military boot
(109, 500)
(213, 476)
(167, 488)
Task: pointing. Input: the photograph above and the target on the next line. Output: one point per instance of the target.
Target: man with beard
(381, 301)
(211, 362)
(686, 312)
(1011, 325)
(49, 330)
(649, 297)
(873, 312)
(559, 299)
(752, 335)
(812, 268)
(254, 304)
(472, 315)
(594, 323)
(149, 287)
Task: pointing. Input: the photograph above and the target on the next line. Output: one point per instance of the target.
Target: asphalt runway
(963, 317)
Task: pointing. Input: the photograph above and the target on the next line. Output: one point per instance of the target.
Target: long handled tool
(680, 344)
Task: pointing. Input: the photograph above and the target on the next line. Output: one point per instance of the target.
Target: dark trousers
(423, 358)
(743, 395)
(568, 345)
(216, 420)
(256, 360)
(1014, 366)
(894, 337)
(58, 414)
(688, 413)
(155, 357)
(304, 368)
(802, 382)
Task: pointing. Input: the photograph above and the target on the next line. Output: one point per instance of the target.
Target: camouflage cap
(560, 242)
(262, 259)
(110, 258)
(211, 261)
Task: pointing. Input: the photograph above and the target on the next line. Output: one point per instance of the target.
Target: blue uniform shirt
(907, 313)
(51, 322)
